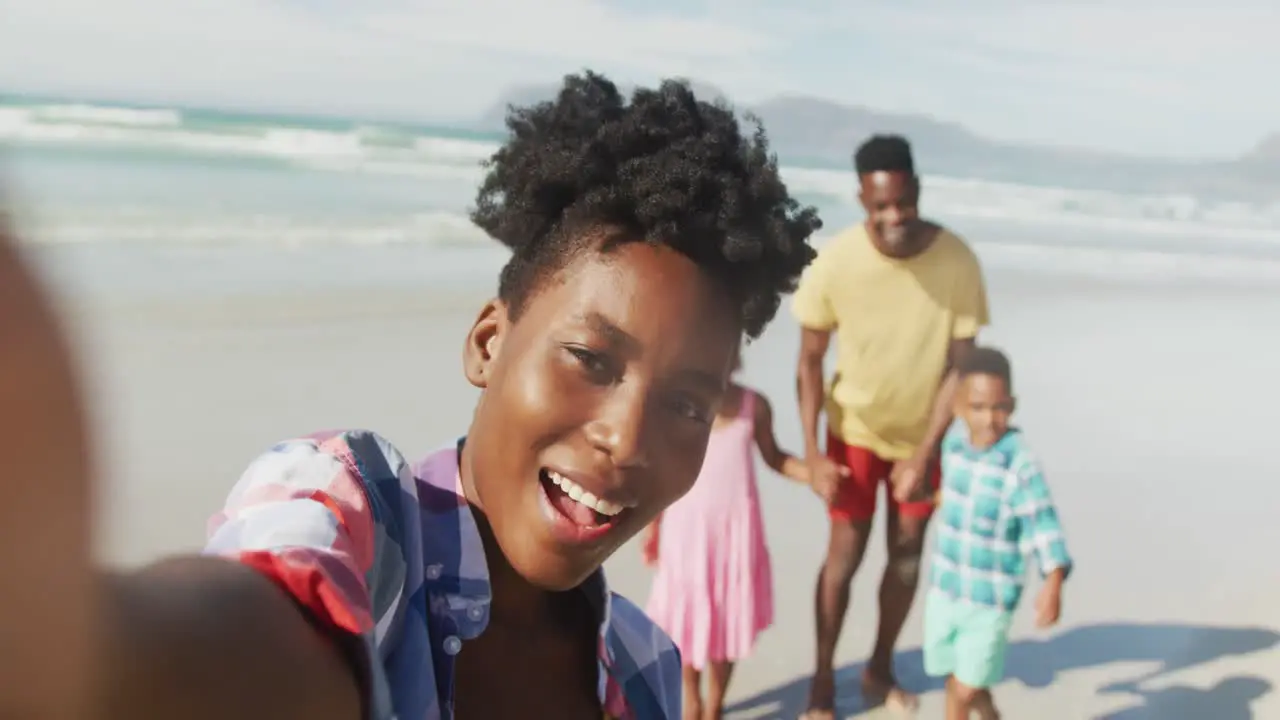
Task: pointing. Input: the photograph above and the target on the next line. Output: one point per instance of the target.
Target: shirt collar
(453, 554)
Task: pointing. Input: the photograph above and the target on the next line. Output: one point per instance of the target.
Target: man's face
(891, 200)
(597, 405)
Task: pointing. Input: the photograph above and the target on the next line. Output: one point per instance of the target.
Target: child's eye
(596, 365)
(691, 409)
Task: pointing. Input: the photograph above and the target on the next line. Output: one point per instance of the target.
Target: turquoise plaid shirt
(996, 511)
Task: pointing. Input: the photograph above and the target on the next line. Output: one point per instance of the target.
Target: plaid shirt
(390, 553)
(996, 510)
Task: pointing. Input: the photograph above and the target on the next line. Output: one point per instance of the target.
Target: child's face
(985, 405)
(606, 384)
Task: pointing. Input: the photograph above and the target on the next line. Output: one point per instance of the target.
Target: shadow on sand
(1036, 663)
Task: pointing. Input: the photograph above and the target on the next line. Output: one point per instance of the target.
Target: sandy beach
(1148, 401)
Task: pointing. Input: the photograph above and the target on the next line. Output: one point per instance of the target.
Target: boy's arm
(775, 457)
(277, 618)
(1040, 526)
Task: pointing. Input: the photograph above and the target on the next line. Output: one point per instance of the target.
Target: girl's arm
(649, 540)
(775, 457)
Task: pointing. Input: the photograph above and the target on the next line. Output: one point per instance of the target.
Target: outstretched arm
(206, 638)
(47, 586)
(775, 457)
(277, 618)
(192, 638)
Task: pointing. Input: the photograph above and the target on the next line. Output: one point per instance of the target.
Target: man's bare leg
(845, 548)
(905, 543)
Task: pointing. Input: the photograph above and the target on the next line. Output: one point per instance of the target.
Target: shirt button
(433, 572)
(452, 645)
(475, 612)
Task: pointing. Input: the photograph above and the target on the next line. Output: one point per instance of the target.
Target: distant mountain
(815, 131)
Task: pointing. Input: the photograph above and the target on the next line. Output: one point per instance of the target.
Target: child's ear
(484, 343)
(1013, 404)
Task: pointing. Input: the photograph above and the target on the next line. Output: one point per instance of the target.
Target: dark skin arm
(908, 475)
(649, 542)
(47, 591)
(186, 638)
(779, 460)
(810, 385)
(201, 637)
(824, 474)
(1049, 601)
(944, 405)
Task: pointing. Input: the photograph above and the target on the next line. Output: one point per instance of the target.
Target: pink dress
(713, 591)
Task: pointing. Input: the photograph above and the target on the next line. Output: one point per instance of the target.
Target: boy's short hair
(986, 361)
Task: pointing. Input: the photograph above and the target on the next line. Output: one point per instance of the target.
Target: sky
(1180, 78)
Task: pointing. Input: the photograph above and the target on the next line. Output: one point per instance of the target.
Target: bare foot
(822, 698)
(886, 691)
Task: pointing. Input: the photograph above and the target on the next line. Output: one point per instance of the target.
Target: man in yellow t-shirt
(904, 299)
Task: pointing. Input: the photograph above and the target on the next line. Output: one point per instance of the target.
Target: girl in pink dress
(713, 591)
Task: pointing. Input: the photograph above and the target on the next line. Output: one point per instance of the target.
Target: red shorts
(856, 499)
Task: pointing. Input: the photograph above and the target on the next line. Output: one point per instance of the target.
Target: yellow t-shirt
(893, 321)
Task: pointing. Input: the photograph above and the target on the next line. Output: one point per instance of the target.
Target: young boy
(995, 509)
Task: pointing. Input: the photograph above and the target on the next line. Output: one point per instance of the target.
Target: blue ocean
(130, 195)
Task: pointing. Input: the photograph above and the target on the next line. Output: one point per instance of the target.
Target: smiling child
(341, 581)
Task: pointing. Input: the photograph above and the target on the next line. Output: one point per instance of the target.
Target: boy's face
(985, 405)
(602, 394)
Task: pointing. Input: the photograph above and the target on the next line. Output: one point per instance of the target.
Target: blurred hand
(47, 589)
(908, 478)
(825, 476)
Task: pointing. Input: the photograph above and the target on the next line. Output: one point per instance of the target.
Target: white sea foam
(426, 172)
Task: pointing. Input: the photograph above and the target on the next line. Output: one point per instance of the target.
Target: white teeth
(583, 496)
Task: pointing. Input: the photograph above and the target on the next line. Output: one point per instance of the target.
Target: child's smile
(577, 514)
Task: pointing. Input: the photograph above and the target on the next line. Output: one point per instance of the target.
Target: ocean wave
(176, 131)
(1153, 216)
(363, 149)
(1127, 263)
(141, 226)
(105, 115)
(131, 226)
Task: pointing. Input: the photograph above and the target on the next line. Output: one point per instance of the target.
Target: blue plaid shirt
(995, 512)
(390, 553)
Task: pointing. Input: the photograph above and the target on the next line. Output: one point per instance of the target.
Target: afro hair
(666, 169)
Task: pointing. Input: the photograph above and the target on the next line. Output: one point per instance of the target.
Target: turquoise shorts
(964, 640)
